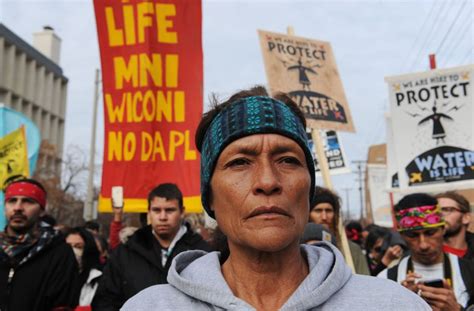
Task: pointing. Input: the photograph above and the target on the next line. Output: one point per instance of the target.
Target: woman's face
(77, 243)
(260, 192)
(75, 240)
(376, 250)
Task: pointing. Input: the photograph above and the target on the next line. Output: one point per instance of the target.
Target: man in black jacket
(146, 257)
(38, 270)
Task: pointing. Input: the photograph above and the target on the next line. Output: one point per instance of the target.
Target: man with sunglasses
(457, 215)
(443, 280)
(38, 270)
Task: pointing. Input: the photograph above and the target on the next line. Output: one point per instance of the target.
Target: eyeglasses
(450, 209)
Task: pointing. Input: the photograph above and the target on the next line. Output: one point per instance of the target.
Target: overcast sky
(370, 39)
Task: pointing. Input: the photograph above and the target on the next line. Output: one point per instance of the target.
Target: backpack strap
(392, 273)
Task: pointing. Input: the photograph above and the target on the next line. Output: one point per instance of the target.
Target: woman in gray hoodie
(257, 181)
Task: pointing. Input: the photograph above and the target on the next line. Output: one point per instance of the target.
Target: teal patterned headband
(245, 117)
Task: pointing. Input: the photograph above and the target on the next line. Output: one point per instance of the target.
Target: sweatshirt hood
(198, 275)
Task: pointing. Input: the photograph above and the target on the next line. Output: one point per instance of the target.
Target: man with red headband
(38, 270)
(445, 281)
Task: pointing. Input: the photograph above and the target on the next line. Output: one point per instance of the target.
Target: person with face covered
(384, 249)
(38, 270)
(257, 181)
(87, 255)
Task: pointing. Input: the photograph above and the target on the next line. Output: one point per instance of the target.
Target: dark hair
(30, 181)
(370, 227)
(90, 257)
(415, 200)
(143, 219)
(92, 225)
(217, 107)
(168, 191)
(50, 220)
(456, 197)
(375, 233)
(354, 225)
(354, 231)
(324, 195)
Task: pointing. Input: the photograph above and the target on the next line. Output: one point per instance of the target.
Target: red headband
(26, 189)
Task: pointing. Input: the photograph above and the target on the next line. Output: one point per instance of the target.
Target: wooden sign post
(324, 169)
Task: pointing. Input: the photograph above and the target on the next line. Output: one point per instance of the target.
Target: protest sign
(306, 70)
(13, 157)
(433, 134)
(334, 152)
(152, 76)
(11, 120)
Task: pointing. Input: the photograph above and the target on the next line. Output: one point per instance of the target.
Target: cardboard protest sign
(433, 132)
(334, 152)
(306, 70)
(13, 157)
(152, 73)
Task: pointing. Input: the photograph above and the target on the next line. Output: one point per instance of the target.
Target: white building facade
(33, 83)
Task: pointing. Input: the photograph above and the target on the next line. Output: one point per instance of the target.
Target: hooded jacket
(136, 265)
(196, 283)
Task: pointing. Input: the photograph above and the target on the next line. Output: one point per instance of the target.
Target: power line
(437, 18)
(451, 27)
(462, 24)
(463, 32)
(469, 53)
(419, 33)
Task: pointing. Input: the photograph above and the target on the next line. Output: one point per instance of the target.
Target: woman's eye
(237, 162)
(290, 160)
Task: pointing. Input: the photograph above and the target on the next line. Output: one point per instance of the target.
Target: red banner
(152, 77)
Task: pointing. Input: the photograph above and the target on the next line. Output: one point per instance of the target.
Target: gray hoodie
(196, 283)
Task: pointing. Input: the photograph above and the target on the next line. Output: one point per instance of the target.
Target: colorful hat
(419, 217)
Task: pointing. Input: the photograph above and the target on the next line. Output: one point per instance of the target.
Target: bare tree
(66, 185)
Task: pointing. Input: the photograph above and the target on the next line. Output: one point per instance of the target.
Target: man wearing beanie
(445, 281)
(257, 181)
(326, 209)
(38, 270)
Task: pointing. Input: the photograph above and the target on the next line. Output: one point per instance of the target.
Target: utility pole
(360, 170)
(89, 204)
(348, 212)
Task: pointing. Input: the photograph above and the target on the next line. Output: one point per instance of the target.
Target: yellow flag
(13, 157)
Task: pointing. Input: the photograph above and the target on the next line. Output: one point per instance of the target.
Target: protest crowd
(276, 244)
(236, 206)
